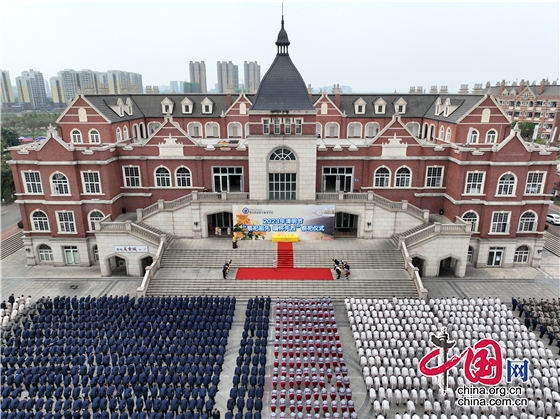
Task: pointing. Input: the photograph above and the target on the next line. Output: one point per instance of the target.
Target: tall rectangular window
(276, 126)
(91, 182)
(266, 126)
(534, 183)
(434, 177)
(32, 182)
(66, 222)
(299, 126)
(131, 176)
(474, 183)
(287, 126)
(500, 222)
(282, 186)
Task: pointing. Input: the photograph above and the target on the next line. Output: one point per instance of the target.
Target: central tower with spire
(282, 133)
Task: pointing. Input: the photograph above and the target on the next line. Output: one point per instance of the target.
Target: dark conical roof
(282, 87)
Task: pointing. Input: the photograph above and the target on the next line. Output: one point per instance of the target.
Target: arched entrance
(448, 267)
(219, 223)
(116, 266)
(419, 263)
(145, 262)
(346, 225)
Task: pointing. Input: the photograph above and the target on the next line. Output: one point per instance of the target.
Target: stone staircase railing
(413, 272)
(151, 271)
(132, 228)
(435, 229)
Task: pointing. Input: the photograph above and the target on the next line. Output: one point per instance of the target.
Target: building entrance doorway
(219, 223)
(418, 263)
(346, 225)
(495, 256)
(447, 267)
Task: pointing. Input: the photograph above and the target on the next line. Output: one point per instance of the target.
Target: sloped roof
(282, 88)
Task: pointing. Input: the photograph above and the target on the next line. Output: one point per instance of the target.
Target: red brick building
(196, 155)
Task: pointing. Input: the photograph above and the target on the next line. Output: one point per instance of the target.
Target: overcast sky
(370, 46)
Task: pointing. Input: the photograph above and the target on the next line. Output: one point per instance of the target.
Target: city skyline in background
(374, 46)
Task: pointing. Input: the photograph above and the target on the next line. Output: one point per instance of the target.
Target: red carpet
(311, 274)
(285, 255)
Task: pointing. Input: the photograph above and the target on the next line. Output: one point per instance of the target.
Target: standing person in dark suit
(216, 414)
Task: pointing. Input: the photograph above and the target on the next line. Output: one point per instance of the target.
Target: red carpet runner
(285, 269)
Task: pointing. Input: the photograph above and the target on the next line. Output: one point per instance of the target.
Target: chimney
(229, 91)
(477, 88)
(521, 86)
(543, 85)
(433, 90)
(412, 89)
(337, 91)
(464, 89)
(488, 85)
(419, 89)
(310, 92)
(443, 90)
(502, 86)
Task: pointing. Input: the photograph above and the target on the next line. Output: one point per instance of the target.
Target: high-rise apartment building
(31, 89)
(228, 76)
(252, 74)
(7, 89)
(120, 82)
(197, 73)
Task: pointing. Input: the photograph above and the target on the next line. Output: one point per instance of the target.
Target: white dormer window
(187, 106)
(360, 107)
(207, 106)
(438, 106)
(379, 106)
(166, 106)
(127, 107)
(400, 106)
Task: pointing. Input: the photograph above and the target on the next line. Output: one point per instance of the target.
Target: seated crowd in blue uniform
(117, 358)
(248, 379)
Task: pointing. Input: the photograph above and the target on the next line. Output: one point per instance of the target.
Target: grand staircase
(194, 268)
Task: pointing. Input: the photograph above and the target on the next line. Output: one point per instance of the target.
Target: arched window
(119, 135)
(183, 177)
(473, 136)
(521, 255)
(234, 130)
(282, 154)
(414, 128)
(402, 177)
(528, 221)
(331, 130)
(142, 130)
(441, 132)
(76, 136)
(134, 132)
(163, 177)
(471, 217)
(94, 136)
(506, 184)
(212, 130)
(125, 132)
(94, 216)
(354, 130)
(195, 129)
(448, 134)
(40, 221)
(491, 137)
(382, 177)
(45, 253)
(60, 184)
(372, 129)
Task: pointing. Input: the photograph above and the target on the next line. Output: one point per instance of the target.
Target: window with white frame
(183, 177)
(372, 129)
(402, 177)
(94, 137)
(94, 216)
(66, 222)
(299, 126)
(195, 130)
(475, 182)
(470, 253)
(331, 130)
(282, 186)
(131, 176)
(92, 184)
(448, 135)
(125, 132)
(354, 130)
(521, 255)
(491, 136)
(527, 222)
(40, 221)
(45, 253)
(212, 130)
(119, 135)
(434, 177)
(33, 182)
(234, 130)
(441, 132)
(266, 126)
(506, 184)
(76, 136)
(472, 218)
(276, 122)
(163, 177)
(287, 126)
(60, 184)
(382, 177)
(500, 222)
(534, 183)
(95, 250)
(472, 136)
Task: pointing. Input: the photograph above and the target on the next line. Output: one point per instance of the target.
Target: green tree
(527, 128)
(29, 124)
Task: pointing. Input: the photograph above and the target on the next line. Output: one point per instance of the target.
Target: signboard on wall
(309, 222)
(131, 249)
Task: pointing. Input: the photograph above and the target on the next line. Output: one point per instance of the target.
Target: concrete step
(552, 243)
(11, 245)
